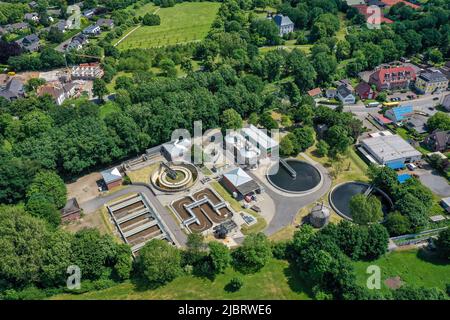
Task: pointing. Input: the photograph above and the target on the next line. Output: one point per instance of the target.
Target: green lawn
(414, 268)
(185, 22)
(275, 281)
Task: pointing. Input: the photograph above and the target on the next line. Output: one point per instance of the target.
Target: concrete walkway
(95, 204)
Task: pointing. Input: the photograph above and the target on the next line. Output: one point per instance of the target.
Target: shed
(71, 210)
(112, 178)
(238, 181)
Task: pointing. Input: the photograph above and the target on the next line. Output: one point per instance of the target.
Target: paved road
(94, 204)
(286, 208)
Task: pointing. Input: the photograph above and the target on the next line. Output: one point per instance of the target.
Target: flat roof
(389, 148)
(260, 137)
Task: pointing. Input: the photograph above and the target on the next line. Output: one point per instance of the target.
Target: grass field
(414, 268)
(185, 22)
(275, 281)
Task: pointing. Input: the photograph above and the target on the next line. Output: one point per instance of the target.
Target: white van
(411, 166)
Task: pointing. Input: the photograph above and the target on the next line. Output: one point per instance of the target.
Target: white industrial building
(250, 144)
(388, 149)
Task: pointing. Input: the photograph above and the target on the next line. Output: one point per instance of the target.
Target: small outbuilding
(71, 210)
(112, 178)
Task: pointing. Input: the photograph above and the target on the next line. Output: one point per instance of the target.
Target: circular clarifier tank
(294, 176)
(341, 195)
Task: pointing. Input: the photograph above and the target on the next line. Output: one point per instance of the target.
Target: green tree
(159, 262)
(365, 209)
(443, 244)
(322, 148)
(151, 20)
(168, 68)
(439, 121)
(414, 209)
(286, 145)
(99, 88)
(39, 206)
(220, 256)
(231, 120)
(254, 253)
(304, 138)
(397, 224)
(49, 185)
(123, 262)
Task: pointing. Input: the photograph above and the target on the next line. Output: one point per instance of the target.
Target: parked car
(411, 166)
(435, 98)
(430, 108)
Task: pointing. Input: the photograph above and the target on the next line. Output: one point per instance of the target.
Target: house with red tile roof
(391, 3)
(391, 78)
(369, 14)
(315, 93)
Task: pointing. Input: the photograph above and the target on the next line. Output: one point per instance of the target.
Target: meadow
(185, 22)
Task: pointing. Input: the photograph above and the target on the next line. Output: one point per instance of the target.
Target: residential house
(382, 120)
(446, 102)
(417, 122)
(330, 93)
(438, 140)
(315, 93)
(33, 4)
(92, 30)
(391, 78)
(89, 13)
(365, 91)
(33, 16)
(77, 42)
(399, 114)
(61, 26)
(345, 94)
(87, 71)
(284, 24)
(431, 81)
(58, 91)
(16, 27)
(14, 89)
(105, 23)
(29, 43)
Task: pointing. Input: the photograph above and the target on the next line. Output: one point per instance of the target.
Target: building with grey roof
(14, 89)
(431, 81)
(390, 150)
(29, 43)
(345, 94)
(284, 24)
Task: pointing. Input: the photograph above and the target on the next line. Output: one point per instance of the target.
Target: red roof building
(365, 91)
(391, 3)
(315, 93)
(370, 16)
(392, 78)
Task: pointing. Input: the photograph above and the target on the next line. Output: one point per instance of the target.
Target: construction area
(137, 222)
(201, 211)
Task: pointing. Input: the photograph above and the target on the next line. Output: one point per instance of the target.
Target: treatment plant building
(387, 149)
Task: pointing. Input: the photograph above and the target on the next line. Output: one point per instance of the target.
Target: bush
(235, 284)
(151, 19)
